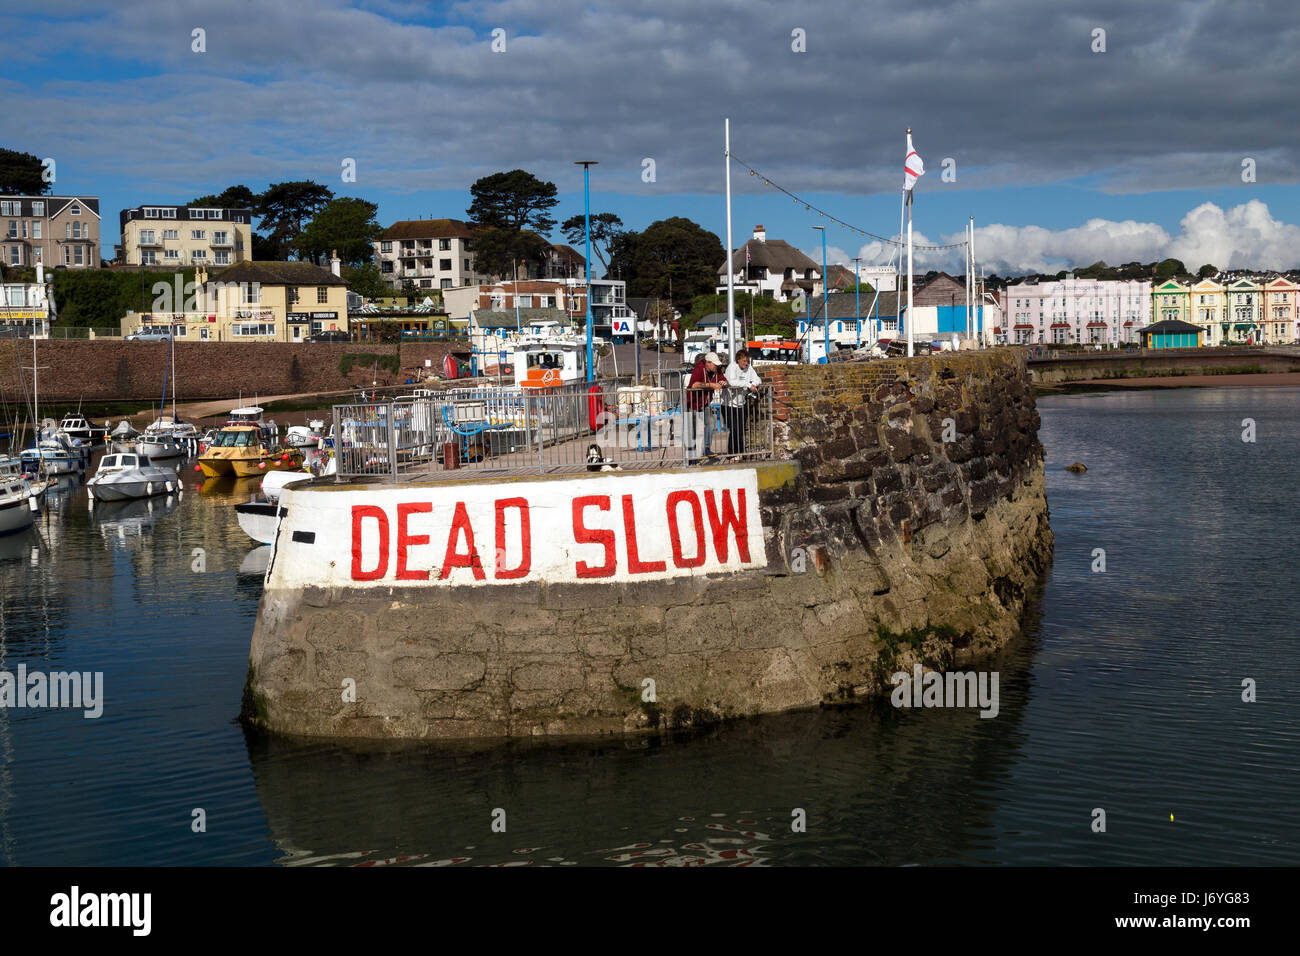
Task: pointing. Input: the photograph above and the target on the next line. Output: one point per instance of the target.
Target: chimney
(334, 262)
(760, 233)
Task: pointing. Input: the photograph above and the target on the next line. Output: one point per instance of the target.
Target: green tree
(511, 213)
(1170, 267)
(604, 227)
(285, 208)
(365, 280)
(768, 316)
(1207, 270)
(233, 197)
(346, 225)
(672, 258)
(22, 174)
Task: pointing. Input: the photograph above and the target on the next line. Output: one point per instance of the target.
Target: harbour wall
(905, 523)
(116, 370)
(1159, 363)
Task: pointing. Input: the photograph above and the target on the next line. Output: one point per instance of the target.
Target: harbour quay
(898, 517)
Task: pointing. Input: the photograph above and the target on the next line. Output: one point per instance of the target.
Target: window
(171, 234)
(36, 229)
(13, 228)
(322, 295)
(525, 302)
(78, 252)
(386, 266)
(14, 255)
(446, 283)
(173, 254)
(241, 329)
(221, 258)
(426, 283)
(169, 213)
(293, 295)
(199, 255)
(252, 293)
(386, 247)
(196, 213)
(150, 212)
(75, 210)
(214, 213)
(147, 237)
(444, 245)
(7, 209)
(221, 238)
(198, 233)
(444, 265)
(148, 257)
(38, 209)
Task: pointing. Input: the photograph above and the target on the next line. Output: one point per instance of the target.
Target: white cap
(713, 357)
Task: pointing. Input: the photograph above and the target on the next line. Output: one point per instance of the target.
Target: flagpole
(731, 292)
(970, 226)
(911, 348)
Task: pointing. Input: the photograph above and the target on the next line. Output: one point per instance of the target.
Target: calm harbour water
(1124, 694)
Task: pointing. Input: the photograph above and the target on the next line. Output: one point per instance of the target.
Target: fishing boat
(122, 477)
(247, 446)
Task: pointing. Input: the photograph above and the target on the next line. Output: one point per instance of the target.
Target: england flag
(913, 168)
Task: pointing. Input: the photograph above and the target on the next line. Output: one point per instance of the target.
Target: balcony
(221, 242)
(144, 242)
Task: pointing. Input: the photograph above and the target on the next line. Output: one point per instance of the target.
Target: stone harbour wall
(906, 523)
(117, 370)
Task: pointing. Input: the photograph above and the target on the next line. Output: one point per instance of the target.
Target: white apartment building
(186, 236)
(432, 253)
(1074, 311)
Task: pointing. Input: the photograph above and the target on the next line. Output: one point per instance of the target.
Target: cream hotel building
(186, 236)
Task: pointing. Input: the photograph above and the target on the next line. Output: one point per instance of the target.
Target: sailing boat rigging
(168, 436)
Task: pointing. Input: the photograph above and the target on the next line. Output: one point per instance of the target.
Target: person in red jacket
(705, 383)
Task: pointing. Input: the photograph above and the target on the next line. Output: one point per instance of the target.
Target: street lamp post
(826, 316)
(586, 165)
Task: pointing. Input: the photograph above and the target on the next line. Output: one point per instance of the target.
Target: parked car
(334, 335)
(149, 337)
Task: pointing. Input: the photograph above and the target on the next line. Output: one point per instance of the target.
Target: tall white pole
(731, 291)
(968, 278)
(910, 323)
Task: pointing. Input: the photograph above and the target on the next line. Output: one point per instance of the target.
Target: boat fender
(148, 488)
(35, 505)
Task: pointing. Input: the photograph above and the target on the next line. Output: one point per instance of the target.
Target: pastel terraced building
(1280, 316)
(1208, 308)
(1070, 311)
(1245, 316)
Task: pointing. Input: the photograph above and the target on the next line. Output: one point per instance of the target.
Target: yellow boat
(242, 451)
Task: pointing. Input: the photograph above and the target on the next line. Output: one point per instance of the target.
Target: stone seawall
(116, 370)
(907, 523)
(1161, 363)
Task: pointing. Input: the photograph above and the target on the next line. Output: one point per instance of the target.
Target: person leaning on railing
(706, 381)
(742, 382)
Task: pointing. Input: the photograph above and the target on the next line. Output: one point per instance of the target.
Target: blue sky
(1064, 153)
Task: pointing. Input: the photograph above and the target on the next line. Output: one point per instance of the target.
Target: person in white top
(742, 381)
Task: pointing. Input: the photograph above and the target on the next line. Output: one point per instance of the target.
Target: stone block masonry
(117, 370)
(906, 522)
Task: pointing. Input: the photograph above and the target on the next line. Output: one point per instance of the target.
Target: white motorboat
(305, 436)
(78, 428)
(18, 505)
(165, 438)
(121, 477)
(54, 454)
(260, 519)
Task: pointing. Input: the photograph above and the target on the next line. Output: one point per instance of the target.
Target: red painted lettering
(584, 535)
(525, 535)
(404, 540)
(675, 534)
(358, 513)
(460, 528)
(734, 518)
(634, 563)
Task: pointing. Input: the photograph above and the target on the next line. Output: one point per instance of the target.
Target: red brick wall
(118, 370)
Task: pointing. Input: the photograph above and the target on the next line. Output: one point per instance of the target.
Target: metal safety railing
(571, 429)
